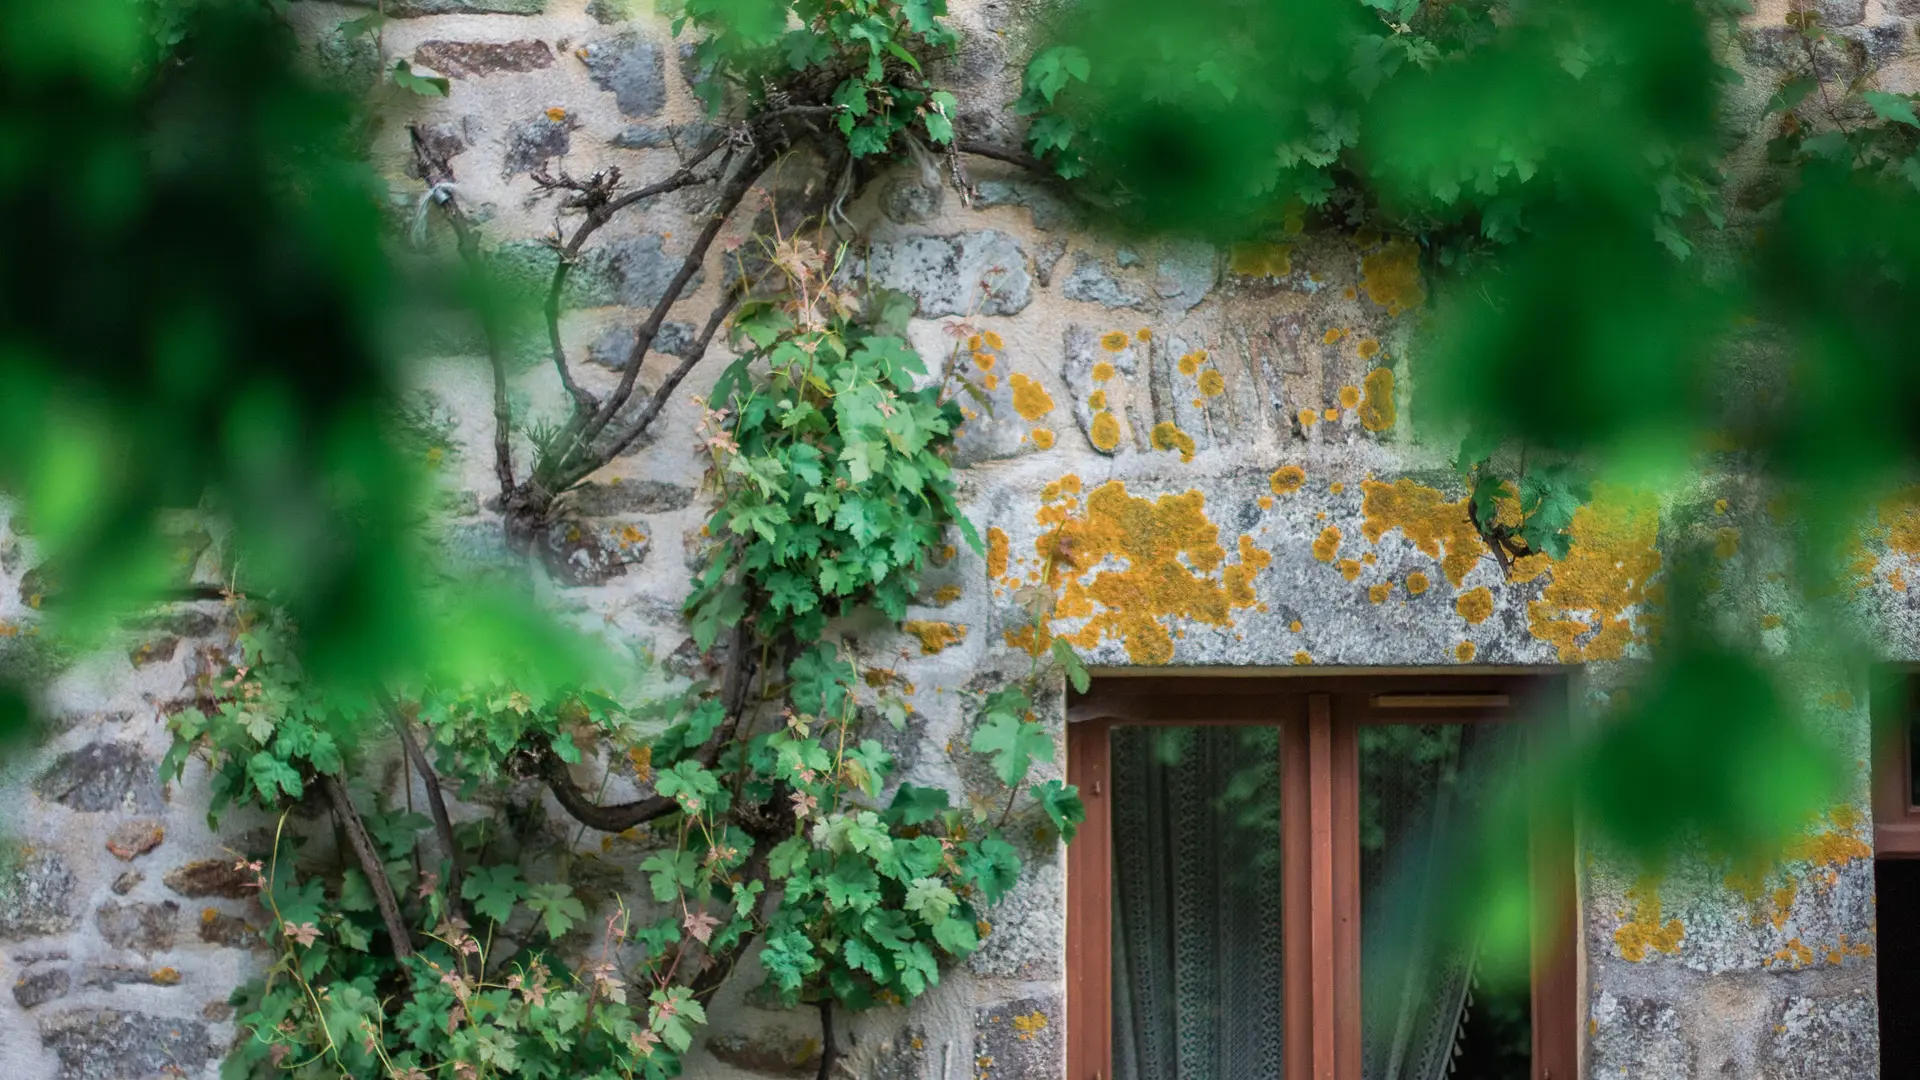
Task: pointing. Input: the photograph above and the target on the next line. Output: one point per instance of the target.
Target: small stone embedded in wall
(36, 988)
(629, 496)
(102, 776)
(212, 877)
(131, 839)
(220, 928)
(110, 1044)
(632, 67)
(128, 882)
(142, 927)
(461, 59)
(1092, 373)
(768, 1053)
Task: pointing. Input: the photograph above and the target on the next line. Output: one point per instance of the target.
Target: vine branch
(370, 864)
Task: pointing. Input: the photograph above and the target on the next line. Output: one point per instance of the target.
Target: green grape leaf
(1062, 804)
(494, 890)
(557, 907)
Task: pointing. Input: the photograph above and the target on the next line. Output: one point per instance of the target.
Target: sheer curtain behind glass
(1420, 786)
(1196, 903)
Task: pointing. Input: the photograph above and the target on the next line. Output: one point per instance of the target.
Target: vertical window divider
(1321, 886)
(1296, 892)
(1090, 906)
(1345, 942)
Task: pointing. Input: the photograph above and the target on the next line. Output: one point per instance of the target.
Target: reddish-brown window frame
(1319, 761)
(1896, 821)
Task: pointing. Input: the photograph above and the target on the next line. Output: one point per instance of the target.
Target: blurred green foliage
(197, 313)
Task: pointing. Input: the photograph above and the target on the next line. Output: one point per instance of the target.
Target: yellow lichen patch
(1719, 506)
(1391, 276)
(1026, 1027)
(984, 361)
(1287, 479)
(1104, 432)
(1332, 336)
(1168, 436)
(1644, 931)
(1437, 527)
(1102, 371)
(1307, 418)
(1377, 410)
(1726, 543)
(1114, 340)
(1417, 583)
(1144, 334)
(1584, 609)
(936, 636)
(1783, 898)
(1212, 383)
(1294, 626)
(1349, 397)
(1368, 348)
(1900, 515)
(165, 976)
(1150, 560)
(556, 114)
(1464, 651)
(1378, 593)
(1795, 954)
(1475, 605)
(991, 382)
(1302, 658)
(1097, 401)
(1770, 622)
(996, 552)
(1030, 399)
(1265, 502)
(1349, 569)
(1336, 487)
(1328, 545)
(946, 594)
(641, 758)
(1043, 438)
(1260, 260)
(1330, 413)
(1835, 847)
(993, 340)
(1190, 364)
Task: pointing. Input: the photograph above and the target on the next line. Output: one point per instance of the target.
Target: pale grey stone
(36, 988)
(478, 58)
(1023, 1038)
(1185, 273)
(1091, 282)
(629, 497)
(632, 67)
(971, 273)
(531, 144)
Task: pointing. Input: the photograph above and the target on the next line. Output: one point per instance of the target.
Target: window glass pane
(1913, 769)
(1196, 903)
(1424, 1002)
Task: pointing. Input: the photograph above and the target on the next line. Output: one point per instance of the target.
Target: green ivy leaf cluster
(868, 52)
(830, 442)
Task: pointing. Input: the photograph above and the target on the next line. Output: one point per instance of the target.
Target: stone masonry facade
(1235, 428)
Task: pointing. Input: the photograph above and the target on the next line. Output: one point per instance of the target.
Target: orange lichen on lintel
(1585, 611)
(996, 552)
(1328, 544)
(1168, 436)
(1128, 565)
(1287, 479)
(1644, 930)
(1439, 527)
(1391, 276)
(1834, 847)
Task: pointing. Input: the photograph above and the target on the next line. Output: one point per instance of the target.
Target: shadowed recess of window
(1425, 1000)
(1196, 903)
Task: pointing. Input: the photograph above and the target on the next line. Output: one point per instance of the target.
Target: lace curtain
(1196, 903)
(1420, 789)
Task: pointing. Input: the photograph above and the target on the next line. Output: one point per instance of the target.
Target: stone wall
(1228, 433)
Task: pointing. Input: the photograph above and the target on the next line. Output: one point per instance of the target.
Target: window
(1250, 894)
(1896, 871)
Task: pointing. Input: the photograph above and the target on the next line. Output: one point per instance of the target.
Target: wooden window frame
(1896, 820)
(1319, 719)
